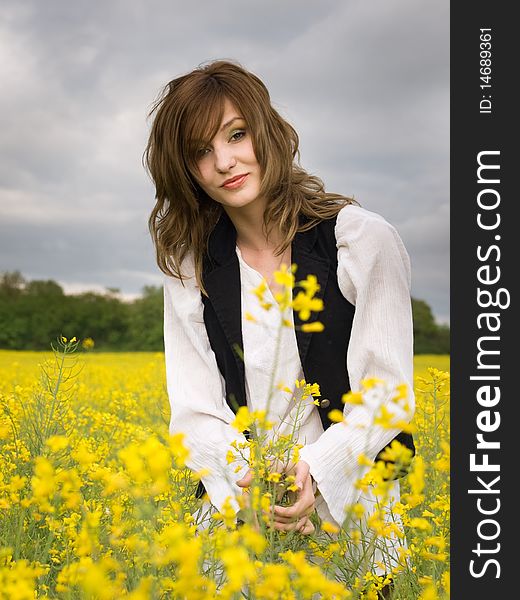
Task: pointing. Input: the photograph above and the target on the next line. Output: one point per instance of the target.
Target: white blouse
(374, 275)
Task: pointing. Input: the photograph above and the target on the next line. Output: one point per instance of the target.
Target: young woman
(233, 205)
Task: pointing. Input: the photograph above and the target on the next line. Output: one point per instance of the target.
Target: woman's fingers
(246, 480)
(291, 518)
(303, 525)
(307, 528)
(304, 502)
(296, 516)
(301, 474)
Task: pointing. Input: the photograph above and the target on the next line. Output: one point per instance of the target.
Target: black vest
(323, 355)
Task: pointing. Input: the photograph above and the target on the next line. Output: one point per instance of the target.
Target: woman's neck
(249, 225)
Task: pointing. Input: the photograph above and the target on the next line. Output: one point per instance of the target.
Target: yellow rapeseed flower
(57, 442)
(243, 419)
(329, 527)
(43, 484)
(315, 327)
(310, 285)
(429, 593)
(352, 398)
(371, 382)
(227, 514)
(284, 277)
(178, 448)
(397, 452)
(336, 416)
(420, 523)
(364, 461)
(252, 538)
(88, 343)
(304, 305)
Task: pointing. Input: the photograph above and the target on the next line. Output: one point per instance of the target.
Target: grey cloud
(365, 84)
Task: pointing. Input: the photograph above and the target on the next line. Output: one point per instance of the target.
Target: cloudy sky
(365, 83)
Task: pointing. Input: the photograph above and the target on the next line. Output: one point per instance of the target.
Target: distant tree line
(33, 313)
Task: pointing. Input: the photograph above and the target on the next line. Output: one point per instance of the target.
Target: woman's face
(227, 167)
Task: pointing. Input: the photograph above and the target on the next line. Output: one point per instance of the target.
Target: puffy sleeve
(374, 275)
(196, 392)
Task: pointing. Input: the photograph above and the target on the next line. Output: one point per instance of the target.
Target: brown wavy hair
(188, 111)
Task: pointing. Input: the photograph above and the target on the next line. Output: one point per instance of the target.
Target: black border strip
(473, 132)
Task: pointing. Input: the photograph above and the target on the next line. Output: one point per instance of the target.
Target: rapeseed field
(96, 501)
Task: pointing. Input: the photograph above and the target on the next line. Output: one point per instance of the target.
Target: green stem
(19, 529)
(55, 393)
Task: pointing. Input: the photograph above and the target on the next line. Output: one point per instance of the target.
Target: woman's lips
(236, 182)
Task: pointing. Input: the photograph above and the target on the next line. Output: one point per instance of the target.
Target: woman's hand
(295, 517)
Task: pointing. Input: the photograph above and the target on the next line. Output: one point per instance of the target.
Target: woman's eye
(237, 135)
(201, 152)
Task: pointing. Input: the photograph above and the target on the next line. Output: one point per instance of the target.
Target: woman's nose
(224, 159)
